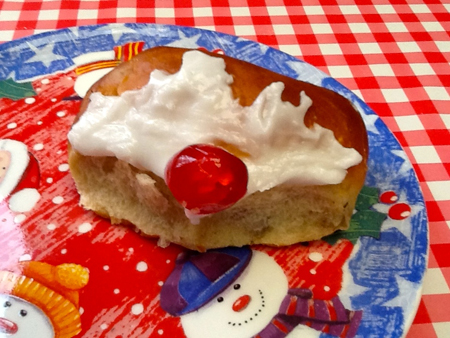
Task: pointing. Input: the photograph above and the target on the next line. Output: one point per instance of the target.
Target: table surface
(395, 55)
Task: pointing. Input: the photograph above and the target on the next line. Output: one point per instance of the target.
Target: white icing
(146, 127)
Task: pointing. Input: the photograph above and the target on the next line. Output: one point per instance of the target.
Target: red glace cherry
(206, 179)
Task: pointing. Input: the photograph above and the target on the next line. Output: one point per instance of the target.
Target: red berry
(399, 211)
(388, 197)
(206, 179)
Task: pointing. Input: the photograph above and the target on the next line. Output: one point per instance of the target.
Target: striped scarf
(299, 308)
(121, 53)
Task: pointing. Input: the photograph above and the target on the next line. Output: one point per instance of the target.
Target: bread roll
(282, 215)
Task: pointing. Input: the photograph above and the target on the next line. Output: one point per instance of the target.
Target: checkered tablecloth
(394, 54)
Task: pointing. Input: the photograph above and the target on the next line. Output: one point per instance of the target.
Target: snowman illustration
(41, 301)
(19, 176)
(90, 67)
(244, 293)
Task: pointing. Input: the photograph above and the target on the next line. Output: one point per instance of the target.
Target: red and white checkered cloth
(394, 54)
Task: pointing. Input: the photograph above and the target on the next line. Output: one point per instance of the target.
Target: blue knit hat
(199, 277)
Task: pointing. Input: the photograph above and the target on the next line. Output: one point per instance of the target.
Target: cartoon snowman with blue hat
(244, 293)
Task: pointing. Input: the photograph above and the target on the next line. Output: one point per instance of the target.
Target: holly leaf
(367, 197)
(362, 223)
(14, 90)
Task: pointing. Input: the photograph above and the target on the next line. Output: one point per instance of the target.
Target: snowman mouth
(255, 313)
(7, 326)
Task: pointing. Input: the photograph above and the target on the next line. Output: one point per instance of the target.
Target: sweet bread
(308, 202)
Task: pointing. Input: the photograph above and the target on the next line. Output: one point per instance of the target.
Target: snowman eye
(7, 304)
(23, 313)
(237, 286)
(220, 299)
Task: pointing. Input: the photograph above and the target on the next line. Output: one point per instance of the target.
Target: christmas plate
(65, 272)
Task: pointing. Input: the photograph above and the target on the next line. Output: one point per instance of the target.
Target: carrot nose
(241, 303)
(7, 326)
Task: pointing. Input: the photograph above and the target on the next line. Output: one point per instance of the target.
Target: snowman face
(21, 319)
(5, 160)
(245, 307)
(84, 82)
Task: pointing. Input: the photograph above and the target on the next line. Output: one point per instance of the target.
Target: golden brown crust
(329, 109)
